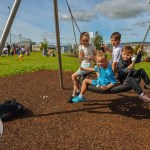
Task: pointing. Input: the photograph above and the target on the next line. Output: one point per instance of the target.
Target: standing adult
(9, 47)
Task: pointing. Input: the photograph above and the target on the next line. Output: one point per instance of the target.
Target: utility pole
(58, 42)
(9, 24)
(20, 40)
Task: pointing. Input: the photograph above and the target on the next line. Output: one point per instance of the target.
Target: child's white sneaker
(147, 86)
(145, 98)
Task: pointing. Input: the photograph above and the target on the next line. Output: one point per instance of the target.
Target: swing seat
(116, 89)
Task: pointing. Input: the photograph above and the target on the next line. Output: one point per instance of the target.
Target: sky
(35, 19)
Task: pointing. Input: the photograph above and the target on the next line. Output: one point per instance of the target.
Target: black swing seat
(116, 89)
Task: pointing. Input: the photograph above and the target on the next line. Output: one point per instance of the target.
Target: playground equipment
(120, 87)
(116, 89)
(9, 24)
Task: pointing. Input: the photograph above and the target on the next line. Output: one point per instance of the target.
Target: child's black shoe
(77, 93)
(70, 99)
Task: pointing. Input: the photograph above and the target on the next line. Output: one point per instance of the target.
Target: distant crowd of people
(48, 52)
(15, 49)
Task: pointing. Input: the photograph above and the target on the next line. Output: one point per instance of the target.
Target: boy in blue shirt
(106, 78)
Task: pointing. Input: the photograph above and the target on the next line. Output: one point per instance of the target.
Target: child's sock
(73, 95)
(78, 90)
(81, 96)
(141, 94)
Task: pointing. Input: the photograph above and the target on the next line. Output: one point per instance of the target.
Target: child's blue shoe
(78, 99)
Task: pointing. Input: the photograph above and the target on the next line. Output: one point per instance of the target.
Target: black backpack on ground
(11, 109)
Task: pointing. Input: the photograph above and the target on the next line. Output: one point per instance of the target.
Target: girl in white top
(87, 53)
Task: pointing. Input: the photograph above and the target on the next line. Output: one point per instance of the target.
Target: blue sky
(35, 18)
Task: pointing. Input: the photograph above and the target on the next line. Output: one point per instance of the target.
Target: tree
(136, 49)
(97, 40)
(144, 53)
(44, 44)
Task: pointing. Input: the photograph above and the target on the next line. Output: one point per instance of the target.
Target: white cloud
(127, 29)
(134, 34)
(35, 20)
(142, 23)
(80, 16)
(122, 8)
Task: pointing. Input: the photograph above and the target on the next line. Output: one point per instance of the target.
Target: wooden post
(58, 42)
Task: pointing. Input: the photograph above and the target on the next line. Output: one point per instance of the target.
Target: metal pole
(20, 40)
(58, 42)
(9, 24)
(10, 29)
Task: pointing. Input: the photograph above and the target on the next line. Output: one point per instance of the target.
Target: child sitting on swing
(87, 53)
(106, 78)
(126, 65)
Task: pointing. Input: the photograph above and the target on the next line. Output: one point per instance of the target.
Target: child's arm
(95, 54)
(140, 50)
(124, 69)
(114, 66)
(116, 58)
(107, 86)
(112, 80)
(131, 66)
(92, 57)
(81, 55)
(139, 55)
(87, 69)
(107, 49)
(138, 59)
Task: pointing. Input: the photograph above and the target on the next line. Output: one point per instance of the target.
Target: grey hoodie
(122, 67)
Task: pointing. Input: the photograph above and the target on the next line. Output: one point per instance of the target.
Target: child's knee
(142, 70)
(131, 80)
(74, 77)
(85, 81)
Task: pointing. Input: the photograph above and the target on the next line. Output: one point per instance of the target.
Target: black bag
(11, 109)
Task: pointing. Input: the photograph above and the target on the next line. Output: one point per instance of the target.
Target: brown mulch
(105, 121)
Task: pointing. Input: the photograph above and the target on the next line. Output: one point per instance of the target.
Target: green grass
(11, 65)
(145, 66)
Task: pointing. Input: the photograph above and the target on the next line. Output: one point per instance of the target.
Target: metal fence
(17, 40)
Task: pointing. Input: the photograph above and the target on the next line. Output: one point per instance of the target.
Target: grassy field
(11, 65)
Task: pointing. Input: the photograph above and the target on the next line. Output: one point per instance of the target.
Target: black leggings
(140, 73)
(134, 84)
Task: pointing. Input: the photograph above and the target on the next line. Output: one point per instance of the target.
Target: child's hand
(116, 74)
(89, 58)
(140, 50)
(133, 58)
(104, 87)
(81, 68)
(131, 66)
(106, 48)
